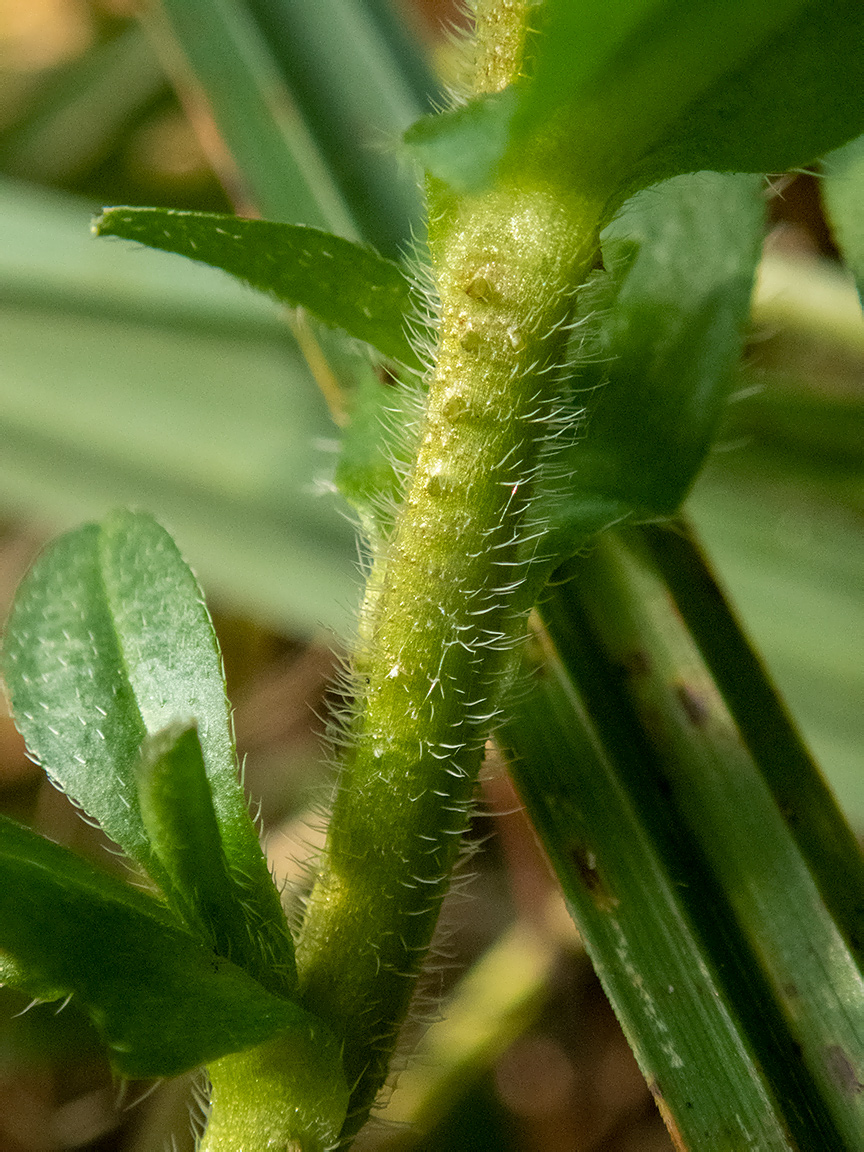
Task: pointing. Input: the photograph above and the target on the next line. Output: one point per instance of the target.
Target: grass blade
(639, 897)
(219, 43)
(726, 805)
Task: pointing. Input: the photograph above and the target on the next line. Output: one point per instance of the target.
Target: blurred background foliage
(132, 378)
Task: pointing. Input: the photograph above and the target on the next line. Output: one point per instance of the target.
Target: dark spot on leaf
(842, 1070)
(790, 990)
(585, 863)
(668, 1119)
(664, 787)
(695, 708)
(386, 376)
(637, 663)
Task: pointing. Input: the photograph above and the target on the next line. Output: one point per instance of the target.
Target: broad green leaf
(109, 639)
(70, 695)
(623, 97)
(657, 363)
(177, 810)
(795, 98)
(162, 1000)
(345, 285)
(843, 195)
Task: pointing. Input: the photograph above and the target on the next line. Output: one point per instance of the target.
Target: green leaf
(162, 1000)
(177, 810)
(648, 914)
(656, 369)
(716, 785)
(843, 196)
(463, 147)
(619, 98)
(345, 285)
(109, 639)
(795, 98)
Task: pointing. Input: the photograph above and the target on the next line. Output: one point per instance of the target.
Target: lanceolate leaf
(656, 367)
(795, 98)
(843, 194)
(162, 1000)
(109, 639)
(623, 96)
(177, 809)
(344, 284)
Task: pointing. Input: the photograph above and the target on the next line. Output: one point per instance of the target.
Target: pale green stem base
(288, 1095)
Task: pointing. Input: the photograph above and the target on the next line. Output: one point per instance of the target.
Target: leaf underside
(343, 284)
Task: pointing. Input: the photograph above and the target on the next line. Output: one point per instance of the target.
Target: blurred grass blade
(242, 474)
(343, 284)
(109, 639)
(219, 45)
(359, 85)
(843, 196)
(494, 1003)
(706, 1038)
(727, 807)
(177, 810)
(74, 121)
(161, 999)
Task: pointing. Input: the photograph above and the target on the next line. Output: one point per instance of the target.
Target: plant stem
(288, 1094)
(441, 620)
(447, 596)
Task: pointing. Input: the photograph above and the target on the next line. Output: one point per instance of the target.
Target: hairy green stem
(443, 614)
(288, 1095)
(448, 593)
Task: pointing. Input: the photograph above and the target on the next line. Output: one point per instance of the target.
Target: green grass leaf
(715, 783)
(216, 49)
(345, 285)
(162, 1000)
(843, 196)
(638, 896)
(109, 640)
(359, 81)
